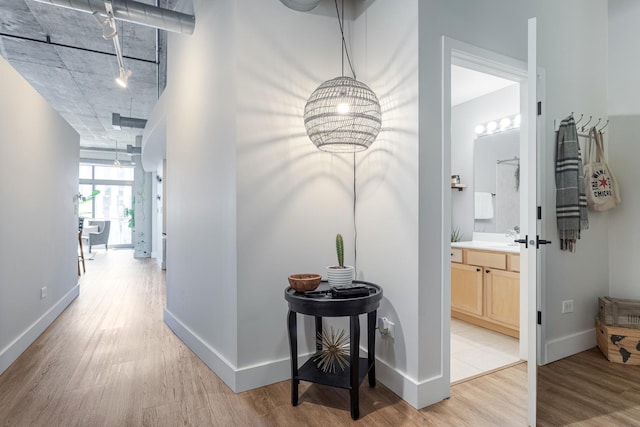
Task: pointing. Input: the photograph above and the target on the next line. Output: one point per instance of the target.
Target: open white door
(475, 58)
(529, 221)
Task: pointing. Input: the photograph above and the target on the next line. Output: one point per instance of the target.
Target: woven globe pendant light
(342, 116)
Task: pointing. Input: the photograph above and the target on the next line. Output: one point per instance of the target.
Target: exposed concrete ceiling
(77, 80)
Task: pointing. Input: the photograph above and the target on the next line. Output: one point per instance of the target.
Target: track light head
(108, 25)
(123, 78)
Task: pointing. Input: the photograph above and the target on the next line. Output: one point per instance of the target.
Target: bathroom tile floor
(476, 350)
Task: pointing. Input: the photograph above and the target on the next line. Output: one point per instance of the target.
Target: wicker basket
(619, 312)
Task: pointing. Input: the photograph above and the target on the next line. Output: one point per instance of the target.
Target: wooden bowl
(304, 282)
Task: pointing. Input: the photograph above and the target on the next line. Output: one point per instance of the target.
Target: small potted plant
(340, 275)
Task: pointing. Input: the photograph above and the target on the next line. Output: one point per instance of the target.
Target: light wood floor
(109, 360)
(587, 390)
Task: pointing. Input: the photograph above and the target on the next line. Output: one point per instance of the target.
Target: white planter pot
(340, 277)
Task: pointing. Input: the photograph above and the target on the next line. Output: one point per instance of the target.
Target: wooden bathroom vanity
(485, 287)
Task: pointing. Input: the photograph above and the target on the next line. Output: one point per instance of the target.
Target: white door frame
(473, 57)
(534, 262)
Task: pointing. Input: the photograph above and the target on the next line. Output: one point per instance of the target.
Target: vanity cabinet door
(466, 288)
(513, 262)
(456, 255)
(503, 296)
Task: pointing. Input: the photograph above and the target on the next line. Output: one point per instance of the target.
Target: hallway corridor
(109, 360)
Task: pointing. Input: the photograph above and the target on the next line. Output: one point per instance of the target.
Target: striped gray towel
(571, 200)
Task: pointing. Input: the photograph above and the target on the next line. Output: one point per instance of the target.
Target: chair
(102, 236)
(81, 255)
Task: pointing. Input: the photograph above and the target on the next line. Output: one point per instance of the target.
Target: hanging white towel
(483, 205)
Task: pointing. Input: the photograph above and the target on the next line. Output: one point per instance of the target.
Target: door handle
(525, 241)
(540, 241)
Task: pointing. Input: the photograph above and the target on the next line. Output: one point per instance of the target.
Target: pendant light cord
(344, 43)
(355, 228)
(345, 51)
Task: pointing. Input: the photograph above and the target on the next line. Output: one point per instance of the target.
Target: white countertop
(488, 246)
(489, 242)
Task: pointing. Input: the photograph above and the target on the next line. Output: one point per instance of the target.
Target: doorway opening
(107, 197)
(488, 295)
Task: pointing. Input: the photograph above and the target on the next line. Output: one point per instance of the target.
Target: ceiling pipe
(118, 122)
(135, 12)
(102, 149)
(92, 161)
(134, 151)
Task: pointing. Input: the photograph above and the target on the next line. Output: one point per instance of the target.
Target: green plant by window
(84, 199)
(132, 219)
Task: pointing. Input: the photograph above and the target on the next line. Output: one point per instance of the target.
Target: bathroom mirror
(496, 182)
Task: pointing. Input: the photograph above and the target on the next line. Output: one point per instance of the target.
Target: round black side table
(321, 303)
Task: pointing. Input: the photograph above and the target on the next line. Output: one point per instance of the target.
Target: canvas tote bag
(601, 187)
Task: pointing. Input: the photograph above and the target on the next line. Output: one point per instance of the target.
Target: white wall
(201, 203)
(386, 58)
(464, 118)
(623, 57)
(154, 151)
(292, 199)
(157, 212)
(39, 155)
(621, 139)
(142, 195)
(250, 200)
(576, 80)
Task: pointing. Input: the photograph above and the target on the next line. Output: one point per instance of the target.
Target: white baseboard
(266, 373)
(9, 354)
(417, 394)
(568, 345)
(263, 374)
(238, 380)
(214, 360)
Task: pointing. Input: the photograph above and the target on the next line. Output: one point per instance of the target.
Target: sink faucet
(512, 233)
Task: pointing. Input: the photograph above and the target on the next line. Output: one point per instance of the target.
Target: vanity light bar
(500, 125)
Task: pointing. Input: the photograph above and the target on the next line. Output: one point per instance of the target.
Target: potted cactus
(340, 275)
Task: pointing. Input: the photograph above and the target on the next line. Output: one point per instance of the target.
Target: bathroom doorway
(487, 106)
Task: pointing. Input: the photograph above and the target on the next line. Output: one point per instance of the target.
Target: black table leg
(293, 344)
(371, 347)
(355, 363)
(318, 334)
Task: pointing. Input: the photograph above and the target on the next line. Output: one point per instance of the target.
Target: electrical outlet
(385, 326)
(43, 292)
(567, 306)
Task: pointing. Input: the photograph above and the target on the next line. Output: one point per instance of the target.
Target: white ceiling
(468, 84)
